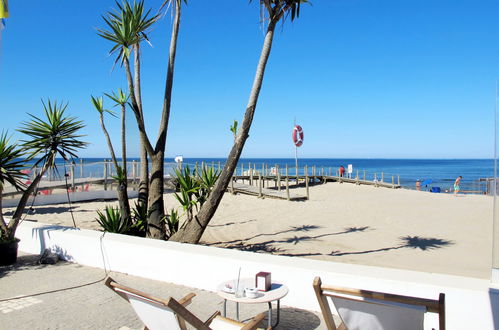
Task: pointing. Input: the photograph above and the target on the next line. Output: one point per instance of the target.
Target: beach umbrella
(427, 182)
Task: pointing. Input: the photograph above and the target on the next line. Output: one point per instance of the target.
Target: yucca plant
(140, 216)
(188, 186)
(55, 134)
(126, 28)
(11, 165)
(121, 176)
(111, 221)
(172, 221)
(207, 177)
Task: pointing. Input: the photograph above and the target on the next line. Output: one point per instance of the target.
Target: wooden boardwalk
(314, 180)
(264, 192)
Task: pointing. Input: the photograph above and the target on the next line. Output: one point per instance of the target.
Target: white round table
(276, 293)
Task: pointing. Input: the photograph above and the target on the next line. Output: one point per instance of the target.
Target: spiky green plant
(172, 220)
(207, 177)
(140, 215)
(11, 166)
(111, 221)
(54, 135)
(11, 163)
(127, 25)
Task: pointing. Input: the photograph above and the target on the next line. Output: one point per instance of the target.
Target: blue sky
(364, 78)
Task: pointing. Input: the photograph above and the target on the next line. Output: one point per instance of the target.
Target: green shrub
(112, 222)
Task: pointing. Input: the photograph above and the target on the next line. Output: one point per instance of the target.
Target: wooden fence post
(105, 174)
(306, 181)
(287, 187)
(278, 178)
(260, 185)
(263, 174)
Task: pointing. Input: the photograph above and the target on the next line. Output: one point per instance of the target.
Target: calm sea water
(441, 172)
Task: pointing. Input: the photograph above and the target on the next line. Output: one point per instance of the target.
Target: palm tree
(11, 166)
(128, 27)
(55, 135)
(121, 175)
(276, 10)
(121, 99)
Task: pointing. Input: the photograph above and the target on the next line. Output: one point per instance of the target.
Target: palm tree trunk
(194, 229)
(156, 208)
(122, 182)
(156, 185)
(14, 222)
(144, 160)
(123, 141)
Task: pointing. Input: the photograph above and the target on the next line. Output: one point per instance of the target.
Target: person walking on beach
(456, 185)
(342, 171)
(418, 184)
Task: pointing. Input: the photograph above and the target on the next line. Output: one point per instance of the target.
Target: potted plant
(55, 135)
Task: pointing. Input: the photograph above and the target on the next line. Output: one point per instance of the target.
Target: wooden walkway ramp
(265, 192)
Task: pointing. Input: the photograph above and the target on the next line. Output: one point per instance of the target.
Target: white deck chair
(363, 309)
(170, 314)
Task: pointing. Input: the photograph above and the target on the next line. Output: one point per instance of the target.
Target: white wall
(468, 300)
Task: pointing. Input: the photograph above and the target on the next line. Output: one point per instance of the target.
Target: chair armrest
(254, 322)
(187, 299)
(212, 317)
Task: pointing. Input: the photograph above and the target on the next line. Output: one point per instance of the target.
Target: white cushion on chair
(363, 313)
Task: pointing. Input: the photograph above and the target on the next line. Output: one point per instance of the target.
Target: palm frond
(11, 163)
(126, 26)
(54, 135)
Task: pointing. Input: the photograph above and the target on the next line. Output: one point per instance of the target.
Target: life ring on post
(298, 135)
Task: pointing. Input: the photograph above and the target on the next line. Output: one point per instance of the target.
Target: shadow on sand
(268, 247)
(413, 242)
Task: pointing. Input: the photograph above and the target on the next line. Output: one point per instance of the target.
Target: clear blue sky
(364, 78)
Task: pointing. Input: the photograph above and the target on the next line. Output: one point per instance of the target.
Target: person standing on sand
(342, 171)
(456, 185)
(418, 185)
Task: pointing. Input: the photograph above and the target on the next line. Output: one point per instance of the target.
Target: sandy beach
(400, 228)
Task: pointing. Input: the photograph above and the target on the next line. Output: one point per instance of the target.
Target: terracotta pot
(8, 252)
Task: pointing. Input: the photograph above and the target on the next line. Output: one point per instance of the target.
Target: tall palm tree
(121, 176)
(49, 137)
(276, 10)
(128, 27)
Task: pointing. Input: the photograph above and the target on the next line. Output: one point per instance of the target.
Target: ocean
(442, 172)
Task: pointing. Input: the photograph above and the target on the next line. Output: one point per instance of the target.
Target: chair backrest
(363, 309)
(155, 313)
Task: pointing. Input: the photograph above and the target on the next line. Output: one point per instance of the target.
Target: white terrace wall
(470, 303)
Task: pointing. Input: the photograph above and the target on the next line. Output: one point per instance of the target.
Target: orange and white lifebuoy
(298, 135)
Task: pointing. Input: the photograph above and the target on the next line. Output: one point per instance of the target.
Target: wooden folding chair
(170, 314)
(363, 309)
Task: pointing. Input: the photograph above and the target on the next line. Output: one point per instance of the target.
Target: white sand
(344, 223)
